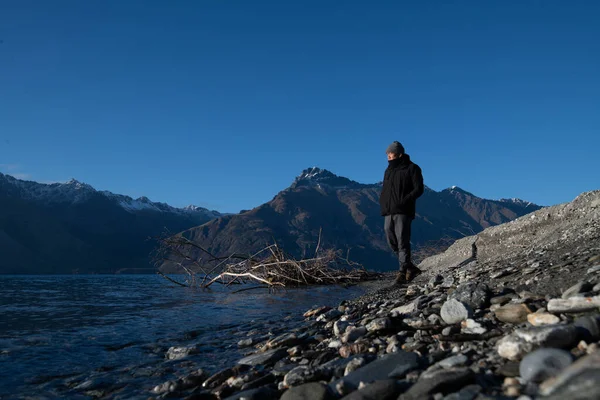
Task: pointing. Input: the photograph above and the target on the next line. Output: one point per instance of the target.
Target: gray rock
(340, 327)
(263, 393)
(404, 310)
(245, 343)
(453, 311)
(435, 281)
(301, 374)
(541, 319)
(513, 313)
(176, 353)
(388, 389)
(354, 364)
(308, 391)
(469, 392)
(543, 364)
(379, 324)
(448, 282)
(523, 341)
(580, 287)
(329, 315)
(579, 381)
(285, 340)
(470, 326)
(453, 361)
(574, 304)
(503, 299)
(266, 358)
(389, 366)
(441, 381)
(474, 294)
(588, 328)
(593, 269)
(353, 334)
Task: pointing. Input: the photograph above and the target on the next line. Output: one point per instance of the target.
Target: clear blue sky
(221, 103)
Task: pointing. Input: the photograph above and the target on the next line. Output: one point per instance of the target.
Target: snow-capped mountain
(339, 213)
(72, 227)
(323, 178)
(74, 192)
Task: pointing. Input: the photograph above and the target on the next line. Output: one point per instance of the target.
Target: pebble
(578, 381)
(353, 334)
(453, 311)
(523, 341)
(543, 364)
(470, 326)
(574, 304)
(453, 361)
(474, 294)
(513, 313)
(541, 319)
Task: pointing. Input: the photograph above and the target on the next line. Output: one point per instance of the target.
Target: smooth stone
(404, 310)
(579, 287)
(453, 311)
(474, 294)
(316, 311)
(263, 393)
(285, 340)
(268, 357)
(329, 315)
(470, 326)
(245, 343)
(523, 341)
(335, 344)
(542, 319)
(513, 313)
(340, 327)
(352, 334)
(588, 328)
(176, 353)
(453, 361)
(379, 324)
(441, 381)
(543, 364)
(388, 366)
(469, 392)
(300, 375)
(313, 390)
(574, 304)
(387, 389)
(579, 381)
(354, 364)
(501, 300)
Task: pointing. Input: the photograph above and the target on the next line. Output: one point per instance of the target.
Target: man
(402, 185)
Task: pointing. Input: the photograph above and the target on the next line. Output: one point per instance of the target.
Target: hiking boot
(400, 279)
(411, 273)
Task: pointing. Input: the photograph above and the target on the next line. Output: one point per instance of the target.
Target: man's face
(392, 156)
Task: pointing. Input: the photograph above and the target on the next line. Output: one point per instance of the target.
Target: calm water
(59, 331)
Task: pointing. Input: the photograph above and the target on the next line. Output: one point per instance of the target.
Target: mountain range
(73, 228)
(346, 215)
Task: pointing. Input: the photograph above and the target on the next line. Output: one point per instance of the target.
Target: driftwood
(271, 267)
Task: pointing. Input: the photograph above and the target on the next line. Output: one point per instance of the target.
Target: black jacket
(402, 185)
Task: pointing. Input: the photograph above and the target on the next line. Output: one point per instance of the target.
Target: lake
(61, 334)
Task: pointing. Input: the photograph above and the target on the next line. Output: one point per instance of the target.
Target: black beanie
(395, 148)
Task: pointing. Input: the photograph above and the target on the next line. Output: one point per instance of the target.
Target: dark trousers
(397, 232)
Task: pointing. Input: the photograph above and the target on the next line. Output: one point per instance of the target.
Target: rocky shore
(510, 313)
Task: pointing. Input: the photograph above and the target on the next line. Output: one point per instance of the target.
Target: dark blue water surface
(62, 334)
